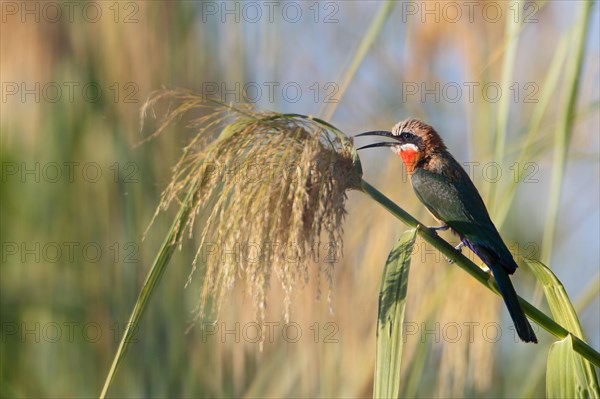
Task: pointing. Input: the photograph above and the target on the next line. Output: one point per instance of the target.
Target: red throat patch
(409, 157)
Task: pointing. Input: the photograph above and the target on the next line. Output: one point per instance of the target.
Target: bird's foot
(489, 273)
(435, 229)
(458, 248)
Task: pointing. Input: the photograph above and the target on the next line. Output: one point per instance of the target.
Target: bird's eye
(405, 135)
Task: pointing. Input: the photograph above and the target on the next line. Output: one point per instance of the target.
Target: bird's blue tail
(524, 329)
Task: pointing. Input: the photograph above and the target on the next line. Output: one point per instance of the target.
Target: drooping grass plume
(280, 214)
(269, 188)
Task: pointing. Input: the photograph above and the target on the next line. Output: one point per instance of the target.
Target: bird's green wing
(454, 200)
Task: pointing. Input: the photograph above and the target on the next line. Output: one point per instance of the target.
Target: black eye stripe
(406, 135)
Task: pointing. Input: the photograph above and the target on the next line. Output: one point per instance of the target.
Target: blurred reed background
(73, 259)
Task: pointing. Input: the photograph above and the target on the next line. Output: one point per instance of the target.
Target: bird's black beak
(380, 144)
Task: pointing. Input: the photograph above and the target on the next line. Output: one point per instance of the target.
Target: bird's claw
(458, 248)
(443, 227)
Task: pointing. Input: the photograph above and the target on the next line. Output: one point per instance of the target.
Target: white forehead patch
(398, 128)
(402, 126)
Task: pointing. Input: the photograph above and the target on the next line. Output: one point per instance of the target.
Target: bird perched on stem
(444, 187)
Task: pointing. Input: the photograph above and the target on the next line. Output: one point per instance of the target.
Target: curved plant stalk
(484, 278)
(354, 181)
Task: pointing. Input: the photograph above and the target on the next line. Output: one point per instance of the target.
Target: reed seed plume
(265, 188)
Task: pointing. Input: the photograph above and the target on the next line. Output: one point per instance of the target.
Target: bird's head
(413, 141)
